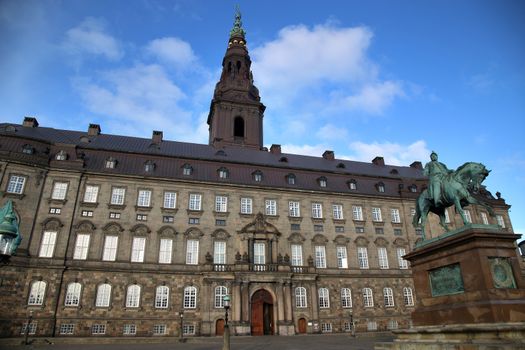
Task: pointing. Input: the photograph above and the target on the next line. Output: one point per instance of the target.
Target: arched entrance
(301, 326)
(219, 327)
(262, 313)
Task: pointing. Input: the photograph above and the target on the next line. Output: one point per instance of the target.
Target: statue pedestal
(470, 290)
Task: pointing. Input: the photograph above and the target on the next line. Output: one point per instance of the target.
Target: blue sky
(390, 78)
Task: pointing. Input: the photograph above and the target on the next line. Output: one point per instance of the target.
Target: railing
(274, 267)
(221, 267)
(264, 267)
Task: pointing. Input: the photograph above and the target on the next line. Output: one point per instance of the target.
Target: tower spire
(237, 29)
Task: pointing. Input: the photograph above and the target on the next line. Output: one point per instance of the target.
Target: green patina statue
(447, 188)
(10, 236)
(237, 24)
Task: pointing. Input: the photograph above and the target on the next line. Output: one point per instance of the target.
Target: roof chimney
(156, 137)
(275, 149)
(329, 155)
(30, 122)
(417, 165)
(378, 161)
(94, 130)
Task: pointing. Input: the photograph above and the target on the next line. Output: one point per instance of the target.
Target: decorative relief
(167, 231)
(52, 224)
(112, 227)
(193, 233)
(361, 241)
(341, 240)
(296, 238)
(400, 242)
(319, 238)
(85, 226)
(502, 275)
(220, 234)
(381, 242)
(446, 280)
(140, 229)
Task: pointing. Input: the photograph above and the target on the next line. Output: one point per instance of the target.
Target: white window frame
(403, 264)
(337, 211)
(388, 297)
(500, 220)
(190, 297)
(342, 257)
(362, 257)
(81, 246)
(219, 252)
(165, 250)
(259, 253)
(297, 255)
(376, 214)
(221, 204)
(324, 298)
(270, 207)
(382, 256)
(47, 247)
(346, 298)
(447, 217)
(195, 201)
(468, 216)
(484, 218)
(91, 193)
(118, 195)
(73, 291)
(368, 297)
(192, 252)
(110, 248)
(395, 216)
(59, 190)
(294, 209)
(138, 248)
(317, 210)
(129, 329)
(37, 293)
(357, 213)
(219, 294)
(103, 295)
(16, 184)
(246, 205)
(162, 296)
(300, 298)
(170, 200)
(144, 198)
(133, 296)
(320, 256)
(408, 296)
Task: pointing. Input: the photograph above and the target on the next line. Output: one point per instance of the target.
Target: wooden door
(302, 326)
(219, 327)
(262, 313)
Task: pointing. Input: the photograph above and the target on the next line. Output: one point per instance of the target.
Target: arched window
(380, 187)
(61, 155)
(257, 176)
(368, 298)
(73, 294)
(238, 127)
(388, 296)
(352, 184)
(290, 179)
(28, 149)
(220, 293)
(149, 166)
(161, 297)
(322, 181)
(407, 296)
(110, 163)
(133, 296)
(187, 169)
(36, 295)
(103, 295)
(223, 173)
(346, 297)
(190, 298)
(324, 298)
(300, 297)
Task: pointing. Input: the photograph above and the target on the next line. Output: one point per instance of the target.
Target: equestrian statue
(448, 187)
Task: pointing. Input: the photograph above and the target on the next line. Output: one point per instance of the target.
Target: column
(287, 290)
(270, 250)
(281, 305)
(314, 302)
(237, 299)
(245, 302)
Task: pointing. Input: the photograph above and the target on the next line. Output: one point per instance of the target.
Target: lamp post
(352, 324)
(226, 336)
(181, 332)
(28, 326)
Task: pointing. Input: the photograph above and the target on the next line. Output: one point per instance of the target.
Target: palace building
(126, 236)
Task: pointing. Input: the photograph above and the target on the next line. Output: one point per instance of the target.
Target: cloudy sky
(363, 78)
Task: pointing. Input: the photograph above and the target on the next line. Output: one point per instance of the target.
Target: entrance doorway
(302, 326)
(262, 313)
(219, 327)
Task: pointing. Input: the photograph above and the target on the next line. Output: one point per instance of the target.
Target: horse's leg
(460, 210)
(424, 215)
(473, 200)
(442, 221)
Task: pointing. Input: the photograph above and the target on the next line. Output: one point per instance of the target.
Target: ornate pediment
(341, 240)
(319, 238)
(52, 224)
(220, 234)
(381, 242)
(361, 241)
(140, 229)
(167, 231)
(296, 238)
(85, 226)
(400, 242)
(260, 226)
(193, 233)
(113, 228)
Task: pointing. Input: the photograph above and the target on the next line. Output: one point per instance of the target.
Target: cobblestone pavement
(306, 342)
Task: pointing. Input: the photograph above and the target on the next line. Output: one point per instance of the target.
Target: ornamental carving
(381, 242)
(319, 238)
(400, 242)
(52, 224)
(85, 226)
(260, 225)
(220, 234)
(361, 241)
(341, 240)
(140, 229)
(167, 231)
(193, 233)
(296, 238)
(112, 227)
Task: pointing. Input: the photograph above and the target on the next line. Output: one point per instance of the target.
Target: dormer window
(223, 173)
(341, 166)
(413, 188)
(352, 184)
(257, 176)
(283, 160)
(28, 149)
(290, 179)
(111, 163)
(322, 181)
(149, 166)
(187, 170)
(380, 187)
(61, 155)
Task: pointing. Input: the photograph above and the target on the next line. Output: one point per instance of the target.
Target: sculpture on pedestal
(10, 236)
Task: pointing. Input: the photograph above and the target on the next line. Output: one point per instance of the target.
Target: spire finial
(237, 24)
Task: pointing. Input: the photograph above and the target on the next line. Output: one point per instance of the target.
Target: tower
(236, 112)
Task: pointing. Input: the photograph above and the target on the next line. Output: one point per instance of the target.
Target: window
(407, 296)
(223, 173)
(342, 260)
(31, 330)
(220, 293)
(28, 149)
(484, 218)
(161, 297)
(117, 195)
(170, 200)
(168, 219)
(36, 294)
(190, 298)
(320, 257)
(149, 166)
(381, 187)
(318, 228)
(195, 201)
(324, 298)
(133, 296)
(193, 221)
(187, 170)
(114, 215)
(259, 256)
(290, 178)
(294, 209)
(371, 326)
(382, 255)
(500, 220)
(295, 227)
(337, 211)
(419, 232)
(137, 249)
(467, 216)
(221, 204)
(388, 297)
(81, 247)
(398, 232)
(48, 244)
(362, 257)
(412, 211)
(376, 215)
(188, 329)
(392, 324)
(103, 295)
(159, 329)
(87, 213)
(98, 329)
(346, 298)
(357, 213)
(220, 222)
(271, 207)
(394, 214)
(340, 229)
(352, 184)
(413, 188)
(257, 176)
(246, 206)
(67, 328)
(368, 298)
(326, 327)
(238, 127)
(59, 190)
(359, 229)
(297, 255)
(323, 182)
(219, 252)
(165, 249)
(111, 163)
(16, 184)
(73, 294)
(55, 211)
(317, 210)
(144, 198)
(192, 252)
(403, 264)
(300, 297)
(91, 194)
(447, 218)
(61, 155)
(129, 329)
(110, 248)
(379, 231)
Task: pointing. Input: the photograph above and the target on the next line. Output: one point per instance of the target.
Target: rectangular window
(318, 228)
(259, 256)
(16, 184)
(219, 252)
(376, 215)
(340, 229)
(168, 219)
(326, 327)
(447, 218)
(129, 329)
(220, 222)
(144, 198)
(162, 297)
(110, 248)
(98, 329)
(142, 217)
(91, 194)
(379, 231)
(193, 221)
(67, 328)
(192, 252)
(342, 260)
(295, 227)
(195, 201)
(117, 195)
(317, 210)
(221, 204)
(500, 220)
(87, 213)
(371, 326)
(294, 209)
(59, 190)
(337, 211)
(137, 249)
(170, 200)
(484, 218)
(468, 216)
(48, 244)
(113, 215)
(320, 256)
(394, 213)
(383, 257)
(357, 213)
(81, 247)
(297, 255)
(32, 328)
(398, 232)
(359, 229)
(165, 250)
(55, 211)
(362, 257)
(246, 206)
(188, 329)
(271, 207)
(159, 329)
(403, 264)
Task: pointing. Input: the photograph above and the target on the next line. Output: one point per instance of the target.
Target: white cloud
(90, 37)
(307, 150)
(331, 132)
(172, 51)
(393, 153)
(374, 98)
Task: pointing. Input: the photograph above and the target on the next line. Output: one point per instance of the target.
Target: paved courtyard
(307, 342)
